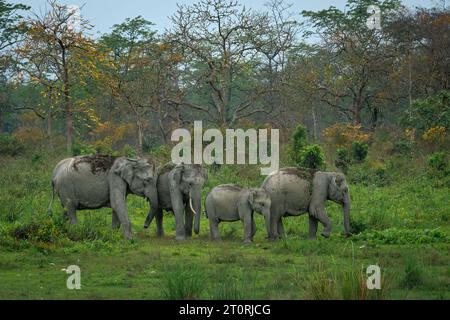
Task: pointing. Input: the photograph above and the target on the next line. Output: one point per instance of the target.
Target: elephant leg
(179, 229)
(118, 205)
(253, 228)
(115, 220)
(178, 209)
(274, 218)
(214, 228)
(280, 228)
(188, 220)
(323, 218)
(276, 212)
(274, 221)
(150, 216)
(159, 223)
(248, 229)
(313, 224)
(72, 214)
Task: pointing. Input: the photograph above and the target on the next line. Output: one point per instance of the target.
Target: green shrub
(79, 149)
(101, 149)
(45, 231)
(312, 157)
(299, 142)
(36, 159)
(129, 151)
(366, 175)
(10, 146)
(359, 150)
(357, 226)
(430, 112)
(342, 159)
(161, 153)
(437, 161)
(402, 147)
(404, 236)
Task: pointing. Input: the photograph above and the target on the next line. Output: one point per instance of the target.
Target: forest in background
(230, 66)
(372, 103)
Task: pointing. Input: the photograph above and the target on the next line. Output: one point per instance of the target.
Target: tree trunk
(140, 138)
(374, 118)
(49, 128)
(69, 124)
(314, 123)
(67, 104)
(410, 84)
(357, 108)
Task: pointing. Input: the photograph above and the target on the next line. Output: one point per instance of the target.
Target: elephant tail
(49, 210)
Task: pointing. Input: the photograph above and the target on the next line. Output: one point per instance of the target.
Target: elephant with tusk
(92, 182)
(295, 191)
(180, 191)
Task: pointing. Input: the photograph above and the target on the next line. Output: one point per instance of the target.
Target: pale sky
(105, 13)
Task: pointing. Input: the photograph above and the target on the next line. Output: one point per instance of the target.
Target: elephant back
(290, 188)
(97, 164)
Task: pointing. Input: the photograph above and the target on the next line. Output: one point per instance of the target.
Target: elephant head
(332, 186)
(259, 200)
(189, 180)
(140, 177)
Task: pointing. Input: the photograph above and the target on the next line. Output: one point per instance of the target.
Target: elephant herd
(92, 182)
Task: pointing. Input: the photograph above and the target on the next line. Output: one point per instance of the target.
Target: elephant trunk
(195, 203)
(267, 222)
(346, 210)
(152, 196)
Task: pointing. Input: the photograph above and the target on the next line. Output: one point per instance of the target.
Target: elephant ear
(339, 178)
(126, 170)
(251, 197)
(204, 173)
(177, 173)
(321, 187)
(337, 184)
(145, 169)
(332, 187)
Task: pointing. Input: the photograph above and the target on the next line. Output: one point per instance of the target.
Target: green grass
(404, 228)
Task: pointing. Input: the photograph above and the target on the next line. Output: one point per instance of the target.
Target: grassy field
(401, 220)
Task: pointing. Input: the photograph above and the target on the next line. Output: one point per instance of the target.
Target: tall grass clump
(239, 286)
(183, 283)
(339, 282)
(227, 287)
(413, 273)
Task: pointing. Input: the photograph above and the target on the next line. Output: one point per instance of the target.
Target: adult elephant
(180, 191)
(295, 191)
(92, 182)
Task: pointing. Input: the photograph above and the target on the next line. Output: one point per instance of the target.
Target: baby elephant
(230, 202)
